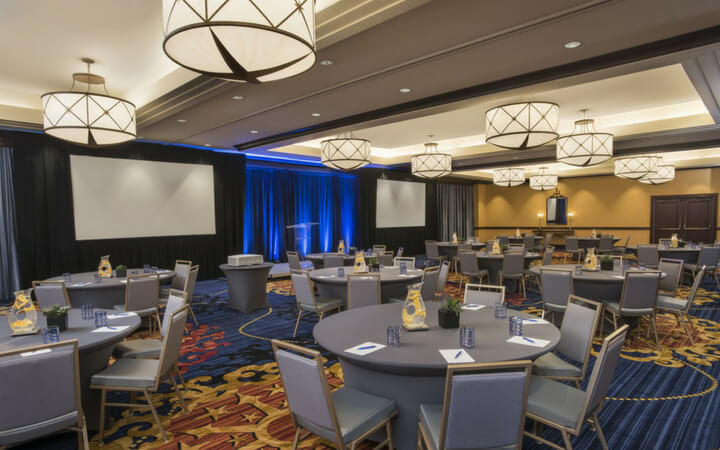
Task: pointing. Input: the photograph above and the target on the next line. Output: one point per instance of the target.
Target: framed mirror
(556, 208)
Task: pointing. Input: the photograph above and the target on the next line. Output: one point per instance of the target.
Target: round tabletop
(330, 275)
(528, 255)
(418, 352)
(687, 254)
(317, 259)
(455, 244)
(608, 276)
(265, 265)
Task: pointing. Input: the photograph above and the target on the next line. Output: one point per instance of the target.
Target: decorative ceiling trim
(704, 73)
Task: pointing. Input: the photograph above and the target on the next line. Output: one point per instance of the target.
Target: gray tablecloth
(247, 286)
(449, 249)
(317, 259)
(391, 285)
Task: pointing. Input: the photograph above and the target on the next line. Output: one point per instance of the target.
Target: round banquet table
(588, 242)
(521, 240)
(247, 286)
(494, 263)
(108, 292)
(94, 350)
(317, 259)
(414, 373)
(450, 249)
(687, 254)
(392, 285)
(602, 285)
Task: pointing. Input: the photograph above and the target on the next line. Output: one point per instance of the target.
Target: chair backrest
(648, 254)
(49, 293)
(708, 257)
(293, 260)
(376, 248)
(665, 242)
(673, 269)
(182, 270)
(548, 239)
(429, 279)
(529, 241)
(468, 262)
(363, 289)
(431, 249)
(602, 374)
(516, 248)
(504, 385)
(192, 280)
(627, 241)
(606, 243)
(513, 263)
(332, 260)
(41, 392)
(171, 343)
(640, 289)
(464, 247)
(548, 255)
(556, 285)
(571, 243)
(305, 384)
(176, 300)
(400, 251)
(484, 294)
(303, 286)
(695, 286)
(142, 291)
(578, 328)
(385, 258)
(443, 276)
(408, 260)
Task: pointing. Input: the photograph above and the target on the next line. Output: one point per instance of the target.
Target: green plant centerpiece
(606, 263)
(56, 315)
(121, 271)
(449, 313)
(504, 248)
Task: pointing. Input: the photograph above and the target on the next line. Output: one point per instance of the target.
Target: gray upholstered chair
(572, 247)
(464, 247)
(400, 251)
(408, 260)
(432, 253)
(621, 249)
(605, 246)
(189, 292)
(333, 260)
(182, 270)
(513, 268)
(708, 257)
(673, 269)
(484, 294)
(638, 298)
(529, 242)
(503, 240)
(41, 393)
(378, 248)
(363, 289)
(306, 299)
(548, 255)
(458, 423)
(345, 417)
(142, 296)
(429, 280)
(469, 268)
(579, 325)
(385, 258)
(567, 408)
(144, 375)
(50, 293)
(443, 276)
(531, 277)
(556, 287)
(548, 239)
(517, 248)
(680, 307)
(648, 254)
(293, 260)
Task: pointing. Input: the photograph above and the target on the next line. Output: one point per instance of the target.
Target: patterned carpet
(659, 399)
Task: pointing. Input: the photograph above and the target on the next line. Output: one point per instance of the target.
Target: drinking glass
(578, 270)
(467, 337)
(393, 335)
(67, 277)
(146, 268)
(516, 327)
(403, 268)
(97, 278)
(154, 269)
(340, 272)
(500, 310)
(51, 334)
(642, 266)
(87, 311)
(100, 319)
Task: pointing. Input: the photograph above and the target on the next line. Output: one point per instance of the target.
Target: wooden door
(692, 217)
(700, 220)
(666, 217)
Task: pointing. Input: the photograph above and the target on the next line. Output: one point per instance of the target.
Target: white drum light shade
(663, 173)
(241, 40)
(584, 147)
(509, 177)
(521, 126)
(88, 119)
(345, 153)
(544, 181)
(431, 164)
(635, 167)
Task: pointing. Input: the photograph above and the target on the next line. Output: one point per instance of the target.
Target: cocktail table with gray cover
(414, 373)
(392, 285)
(590, 242)
(247, 286)
(687, 254)
(449, 249)
(493, 263)
(317, 259)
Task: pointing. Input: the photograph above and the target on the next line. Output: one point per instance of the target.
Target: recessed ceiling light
(254, 131)
(573, 44)
(238, 97)
(405, 90)
(326, 62)
(315, 114)
(181, 120)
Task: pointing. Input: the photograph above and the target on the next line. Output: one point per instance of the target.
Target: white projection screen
(125, 198)
(400, 204)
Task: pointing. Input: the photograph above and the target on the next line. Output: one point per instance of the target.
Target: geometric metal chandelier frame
(635, 167)
(543, 181)
(509, 177)
(431, 164)
(662, 174)
(584, 146)
(347, 153)
(521, 126)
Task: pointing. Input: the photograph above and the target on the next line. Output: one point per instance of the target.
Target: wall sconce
(540, 216)
(570, 216)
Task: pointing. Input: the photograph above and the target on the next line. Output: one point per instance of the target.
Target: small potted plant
(449, 314)
(121, 271)
(606, 263)
(504, 248)
(56, 315)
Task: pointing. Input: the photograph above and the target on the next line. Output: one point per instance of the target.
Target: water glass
(154, 269)
(67, 277)
(578, 270)
(51, 334)
(100, 319)
(146, 268)
(403, 268)
(467, 337)
(500, 310)
(516, 327)
(642, 266)
(97, 278)
(341, 272)
(87, 311)
(393, 336)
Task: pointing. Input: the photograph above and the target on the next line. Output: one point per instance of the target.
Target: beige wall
(601, 201)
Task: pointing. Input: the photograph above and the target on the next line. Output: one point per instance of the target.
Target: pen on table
(367, 347)
(531, 320)
(528, 339)
(111, 328)
(458, 354)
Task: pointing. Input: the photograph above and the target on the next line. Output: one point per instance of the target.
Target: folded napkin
(472, 307)
(365, 348)
(534, 321)
(111, 329)
(532, 342)
(456, 356)
(121, 315)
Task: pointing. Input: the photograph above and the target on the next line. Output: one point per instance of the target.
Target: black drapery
(9, 263)
(45, 225)
(455, 210)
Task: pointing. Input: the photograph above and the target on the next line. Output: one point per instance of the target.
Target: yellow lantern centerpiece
(517, 232)
(23, 315)
(341, 247)
(496, 247)
(360, 265)
(105, 268)
(454, 241)
(593, 234)
(591, 260)
(413, 313)
(674, 240)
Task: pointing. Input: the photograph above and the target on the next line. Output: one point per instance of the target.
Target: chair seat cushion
(139, 348)
(130, 372)
(551, 365)
(323, 304)
(631, 312)
(555, 401)
(670, 302)
(431, 418)
(357, 411)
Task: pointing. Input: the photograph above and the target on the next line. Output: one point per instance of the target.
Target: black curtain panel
(44, 210)
(9, 263)
(455, 210)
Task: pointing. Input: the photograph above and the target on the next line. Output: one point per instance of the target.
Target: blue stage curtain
(277, 197)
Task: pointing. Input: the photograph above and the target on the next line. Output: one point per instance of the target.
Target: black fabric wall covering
(45, 225)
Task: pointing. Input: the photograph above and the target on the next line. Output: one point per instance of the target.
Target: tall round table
(392, 285)
(247, 286)
(687, 254)
(94, 350)
(317, 259)
(450, 249)
(493, 263)
(109, 292)
(414, 373)
(589, 242)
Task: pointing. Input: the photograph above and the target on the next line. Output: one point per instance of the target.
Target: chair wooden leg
(157, 321)
(614, 320)
(83, 433)
(101, 424)
(177, 391)
(600, 434)
(192, 314)
(297, 438)
(657, 341)
(179, 374)
(155, 414)
(388, 431)
(321, 315)
(566, 439)
(297, 322)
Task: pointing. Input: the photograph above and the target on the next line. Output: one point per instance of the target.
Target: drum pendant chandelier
(346, 153)
(635, 167)
(509, 177)
(544, 181)
(585, 146)
(431, 164)
(521, 126)
(241, 40)
(662, 174)
(85, 118)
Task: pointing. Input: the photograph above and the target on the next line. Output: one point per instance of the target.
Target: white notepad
(85, 283)
(534, 321)
(473, 307)
(111, 329)
(532, 342)
(365, 348)
(121, 315)
(36, 352)
(456, 356)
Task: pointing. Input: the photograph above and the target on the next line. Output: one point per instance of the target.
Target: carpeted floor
(658, 399)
